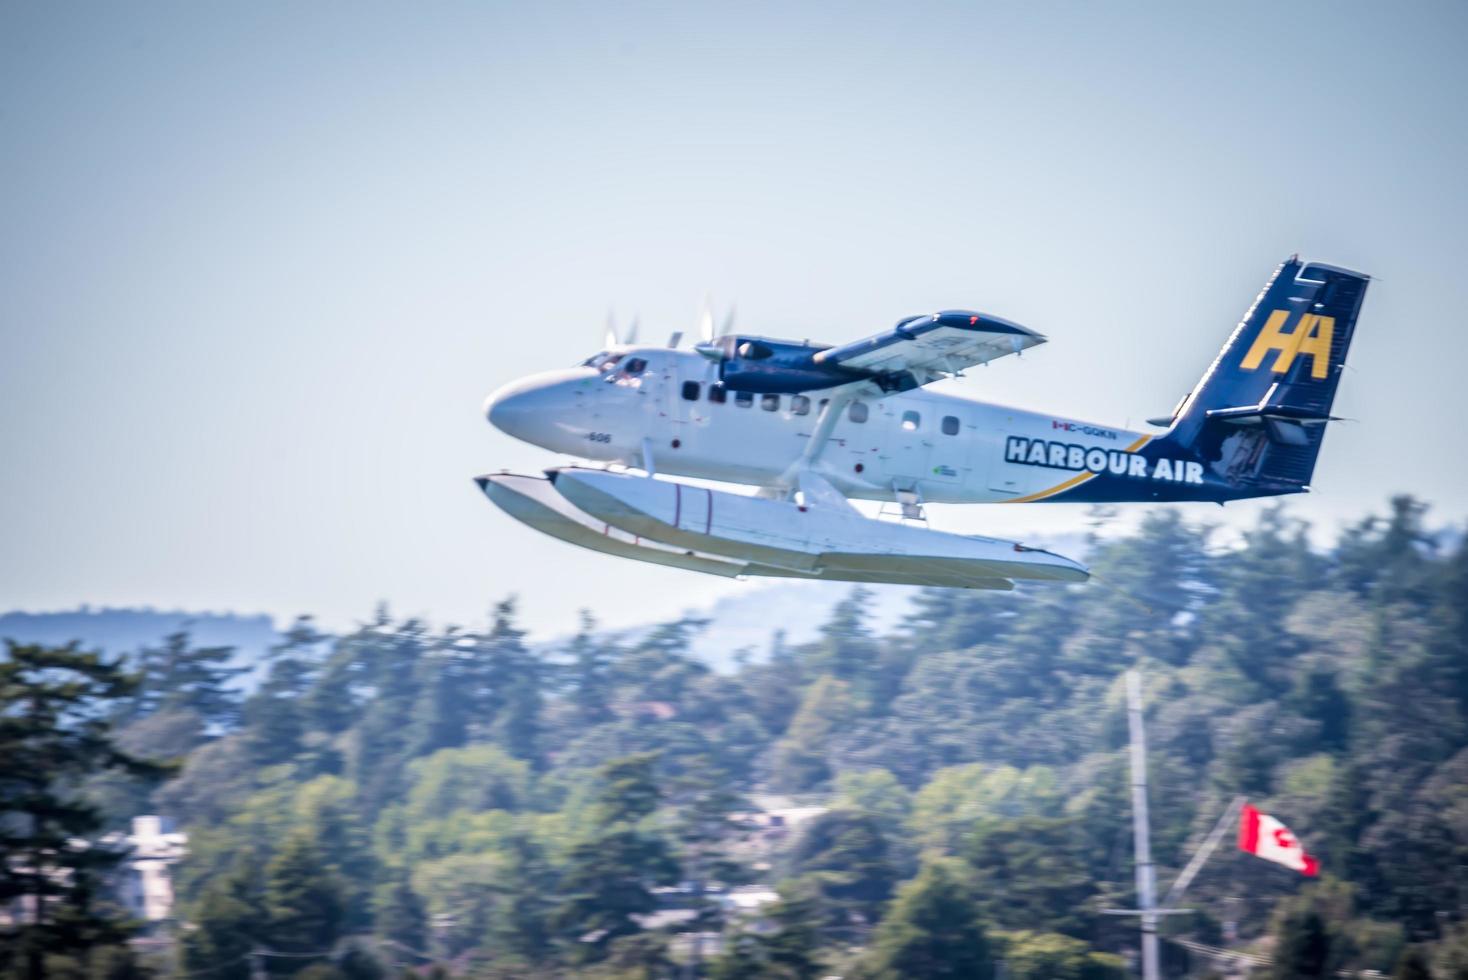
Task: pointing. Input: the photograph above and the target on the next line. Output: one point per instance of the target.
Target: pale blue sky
(261, 262)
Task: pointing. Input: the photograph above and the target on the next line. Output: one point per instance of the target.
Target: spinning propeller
(614, 337)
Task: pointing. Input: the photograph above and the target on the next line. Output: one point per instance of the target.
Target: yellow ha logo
(1312, 336)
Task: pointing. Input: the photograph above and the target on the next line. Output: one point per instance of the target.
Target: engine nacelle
(763, 366)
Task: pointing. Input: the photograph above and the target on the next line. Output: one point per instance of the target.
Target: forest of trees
(402, 800)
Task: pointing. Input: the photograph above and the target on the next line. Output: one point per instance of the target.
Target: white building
(145, 882)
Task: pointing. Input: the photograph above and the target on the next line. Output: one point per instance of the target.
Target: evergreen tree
(800, 762)
(302, 903)
(845, 853)
(522, 930)
(590, 674)
(1031, 873)
(178, 676)
(1032, 955)
(228, 923)
(399, 917)
(787, 948)
(608, 876)
(1412, 966)
(53, 736)
(513, 683)
(274, 717)
(932, 931)
(846, 649)
(1302, 946)
(380, 660)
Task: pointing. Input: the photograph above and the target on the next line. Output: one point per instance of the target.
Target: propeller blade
(611, 335)
(632, 330)
(675, 340)
(729, 321)
(706, 320)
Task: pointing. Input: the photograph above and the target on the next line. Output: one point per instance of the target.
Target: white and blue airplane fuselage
(812, 426)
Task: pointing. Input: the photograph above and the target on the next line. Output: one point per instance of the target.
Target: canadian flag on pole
(1263, 836)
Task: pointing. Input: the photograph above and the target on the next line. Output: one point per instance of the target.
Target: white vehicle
(810, 426)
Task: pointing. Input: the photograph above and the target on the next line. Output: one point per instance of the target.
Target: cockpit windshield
(603, 362)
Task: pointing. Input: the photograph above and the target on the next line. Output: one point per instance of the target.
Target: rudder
(1258, 416)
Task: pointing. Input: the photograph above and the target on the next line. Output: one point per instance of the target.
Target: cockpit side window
(635, 367)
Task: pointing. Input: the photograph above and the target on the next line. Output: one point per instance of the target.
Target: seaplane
(806, 428)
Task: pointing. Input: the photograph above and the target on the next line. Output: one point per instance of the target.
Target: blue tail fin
(1258, 416)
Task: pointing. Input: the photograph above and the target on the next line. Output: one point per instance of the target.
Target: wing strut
(790, 480)
(825, 425)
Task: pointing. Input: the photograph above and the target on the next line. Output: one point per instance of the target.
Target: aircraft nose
(512, 408)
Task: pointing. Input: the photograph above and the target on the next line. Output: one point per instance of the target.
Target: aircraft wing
(933, 346)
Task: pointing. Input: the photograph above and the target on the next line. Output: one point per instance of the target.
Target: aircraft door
(910, 449)
(950, 441)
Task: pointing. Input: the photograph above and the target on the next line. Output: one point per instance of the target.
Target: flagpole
(1141, 829)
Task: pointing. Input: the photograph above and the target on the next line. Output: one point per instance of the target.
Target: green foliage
(956, 798)
(1032, 870)
(800, 757)
(513, 812)
(876, 791)
(54, 702)
(478, 777)
(180, 677)
(1412, 966)
(845, 854)
(229, 920)
(1050, 956)
(788, 948)
(932, 931)
(1303, 946)
(303, 902)
(608, 875)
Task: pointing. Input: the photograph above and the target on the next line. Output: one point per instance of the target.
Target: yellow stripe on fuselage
(1076, 480)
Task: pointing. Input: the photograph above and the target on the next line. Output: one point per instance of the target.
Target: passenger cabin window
(911, 421)
(857, 412)
(950, 425)
(770, 403)
(690, 391)
(636, 366)
(744, 399)
(718, 394)
(799, 405)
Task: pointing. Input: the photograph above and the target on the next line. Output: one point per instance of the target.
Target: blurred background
(260, 265)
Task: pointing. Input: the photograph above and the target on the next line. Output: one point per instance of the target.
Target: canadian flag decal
(1264, 836)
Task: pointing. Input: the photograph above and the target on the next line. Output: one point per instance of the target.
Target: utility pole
(1147, 910)
(1141, 829)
